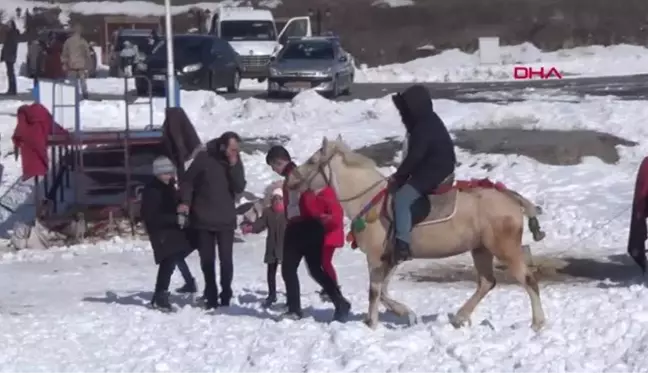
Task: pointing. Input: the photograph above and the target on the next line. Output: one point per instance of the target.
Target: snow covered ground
(82, 308)
(457, 66)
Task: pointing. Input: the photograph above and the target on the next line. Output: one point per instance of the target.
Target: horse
(485, 220)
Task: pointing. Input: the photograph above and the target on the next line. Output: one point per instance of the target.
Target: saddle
(438, 206)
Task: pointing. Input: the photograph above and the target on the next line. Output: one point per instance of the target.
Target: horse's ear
(324, 142)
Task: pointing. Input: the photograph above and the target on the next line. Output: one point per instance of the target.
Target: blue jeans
(403, 200)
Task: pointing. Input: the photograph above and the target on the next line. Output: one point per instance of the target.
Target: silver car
(317, 63)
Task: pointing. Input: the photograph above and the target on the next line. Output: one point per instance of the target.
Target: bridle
(324, 169)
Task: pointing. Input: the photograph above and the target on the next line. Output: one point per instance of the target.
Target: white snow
(456, 66)
(392, 3)
(81, 308)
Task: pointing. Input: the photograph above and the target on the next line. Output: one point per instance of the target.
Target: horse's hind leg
(483, 260)
(519, 269)
(392, 305)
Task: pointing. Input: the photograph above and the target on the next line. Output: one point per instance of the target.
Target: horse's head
(323, 166)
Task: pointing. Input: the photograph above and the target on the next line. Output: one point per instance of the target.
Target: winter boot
(225, 299)
(342, 308)
(188, 287)
(401, 252)
(209, 301)
(270, 300)
(161, 302)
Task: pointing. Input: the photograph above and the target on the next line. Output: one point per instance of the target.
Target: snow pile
(456, 66)
(572, 211)
(392, 3)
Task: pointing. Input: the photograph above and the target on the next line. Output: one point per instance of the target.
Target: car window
(248, 30)
(223, 48)
(184, 46)
(312, 50)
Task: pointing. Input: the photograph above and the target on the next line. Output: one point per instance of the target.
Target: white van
(253, 35)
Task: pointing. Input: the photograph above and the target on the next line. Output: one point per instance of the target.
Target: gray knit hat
(163, 165)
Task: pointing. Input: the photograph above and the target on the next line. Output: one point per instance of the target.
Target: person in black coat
(208, 189)
(168, 239)
(8, 55)
(429, 160)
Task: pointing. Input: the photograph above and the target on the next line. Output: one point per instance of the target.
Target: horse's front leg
(390, 303)
(376, 278)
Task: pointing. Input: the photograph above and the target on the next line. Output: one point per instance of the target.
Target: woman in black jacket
(168, 239)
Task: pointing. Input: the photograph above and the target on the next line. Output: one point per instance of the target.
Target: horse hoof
(370, 323)
(458, 322)
(412, 319)
(537, 325)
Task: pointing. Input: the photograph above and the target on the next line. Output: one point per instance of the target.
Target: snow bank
(578, 200)
(456, 66)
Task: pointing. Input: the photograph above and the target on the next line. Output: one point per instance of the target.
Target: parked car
(138, 37)
(201, 62)
(59, 35)
(317, 63)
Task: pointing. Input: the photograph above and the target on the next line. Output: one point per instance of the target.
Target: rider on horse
(430, 159)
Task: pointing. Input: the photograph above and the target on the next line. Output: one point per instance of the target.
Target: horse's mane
(354, 159)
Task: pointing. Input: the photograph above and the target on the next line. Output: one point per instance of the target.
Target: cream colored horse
(487, 222)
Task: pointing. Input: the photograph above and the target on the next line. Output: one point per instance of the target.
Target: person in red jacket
(324, 206)
(308, 231)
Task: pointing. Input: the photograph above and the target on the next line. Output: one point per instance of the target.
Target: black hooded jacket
(209, 186)
(430, 155)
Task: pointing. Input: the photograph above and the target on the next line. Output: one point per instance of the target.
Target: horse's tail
(530, 210)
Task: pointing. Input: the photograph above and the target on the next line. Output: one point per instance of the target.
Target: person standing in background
(8, 55)
(76, 59)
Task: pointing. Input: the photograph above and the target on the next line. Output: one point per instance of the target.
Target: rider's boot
(402, 251)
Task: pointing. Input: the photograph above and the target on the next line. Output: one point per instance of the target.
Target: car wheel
(236, 83)
(335, 92)
(347, 90)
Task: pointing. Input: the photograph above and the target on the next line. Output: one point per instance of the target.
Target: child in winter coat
(325, 206)
(274, 220)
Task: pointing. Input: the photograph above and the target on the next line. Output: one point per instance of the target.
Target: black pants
(206, 242)
(271, 276)
(304, 239)
(165, 270)
(185, 271)
(11, 78)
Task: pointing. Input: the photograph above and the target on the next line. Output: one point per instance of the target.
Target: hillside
(385, 34)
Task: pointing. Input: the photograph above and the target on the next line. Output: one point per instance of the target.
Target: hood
(304, 64)
(179, 136)
(414, 105)
(254, 48)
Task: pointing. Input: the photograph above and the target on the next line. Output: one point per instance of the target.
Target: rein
(328, 179)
